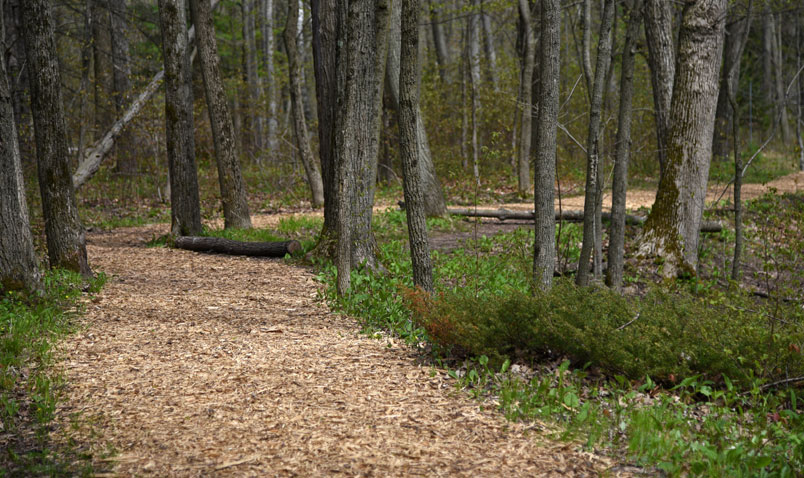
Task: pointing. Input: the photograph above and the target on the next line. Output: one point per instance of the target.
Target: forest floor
(208, 365)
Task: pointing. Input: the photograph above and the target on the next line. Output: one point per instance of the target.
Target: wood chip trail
(207, 365)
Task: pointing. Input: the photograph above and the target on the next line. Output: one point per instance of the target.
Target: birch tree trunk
(18, 265)
(233, 190)
(593, 143)
(435, 205)
(66, 243)
(525, 103)
(614, 273)
(185, 209)
(409, 143)
(672, 228)
(662, 63)
(544, 253)
(268, 89)
(309, 162)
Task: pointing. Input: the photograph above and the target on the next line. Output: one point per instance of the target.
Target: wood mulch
(193, 364)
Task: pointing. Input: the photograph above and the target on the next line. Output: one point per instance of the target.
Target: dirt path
(207, 365)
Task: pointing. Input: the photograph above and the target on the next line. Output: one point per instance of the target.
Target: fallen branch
(237, 248)
(571, 216)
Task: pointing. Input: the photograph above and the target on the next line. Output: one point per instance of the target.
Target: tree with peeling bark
(544, 253)
(593, 146)
(408, 142)
(18, 265)
(233, 189)
(614, 272)
(185, 209)
(66, 242)
(672, 229)
(309, 162)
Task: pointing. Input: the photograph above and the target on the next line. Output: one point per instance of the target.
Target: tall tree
(310, 164)
(185, 211)
(672, 228)
(525, 102)
(66, 242)
(409, 142)
(544, 254)
(253, 84)
(103, 69)
(488, 46)
(18, 267)
(473, 25)
(121, 83)
(233, 189)
(614, 273)
(267, 48)
(593, 143)
(732, 57)
(662, 63)
(439, 39)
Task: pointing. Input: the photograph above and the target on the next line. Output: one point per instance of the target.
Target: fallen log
(237, 248)
(570, 216)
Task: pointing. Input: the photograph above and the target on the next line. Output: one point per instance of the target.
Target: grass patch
(766, 167)
(30, 325)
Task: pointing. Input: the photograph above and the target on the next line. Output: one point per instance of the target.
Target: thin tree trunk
(544, 253)
(662, 63)
(593, 143)
(586, 47)
(474, 79)
(434, 202)
(18, 264)
(525, 103)
(672, 229)
(121, 72)
(768, 40)
(102, 56)
(614, 272)
(185, 209)
(409, 144)
(309, 162)
(439, 40)
(778, 70)
(86, 63)
(66, 242)
(488, 47)
(800, 96)
(253, 86)
(268, 89)
(233, 191)
(732, 57)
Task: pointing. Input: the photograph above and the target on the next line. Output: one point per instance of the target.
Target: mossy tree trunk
(66, 242)
(185, 209)
(672, 231)
(233, 188)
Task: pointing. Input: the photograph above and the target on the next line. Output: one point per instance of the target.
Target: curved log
(237, 248)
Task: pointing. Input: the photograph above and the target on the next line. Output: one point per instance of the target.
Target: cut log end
(238, 248)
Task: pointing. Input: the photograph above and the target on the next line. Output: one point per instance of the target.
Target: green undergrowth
(764, 168)
(30, 326)
(687, 378)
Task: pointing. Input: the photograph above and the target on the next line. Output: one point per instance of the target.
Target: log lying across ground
(237, 248)
(572, 216)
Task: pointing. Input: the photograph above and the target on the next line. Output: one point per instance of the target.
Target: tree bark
(237, 248)
(233, 190)
(18, 266)
(185, 209)
(525, 103)
(66, 242)
(662, 63)
(267, 47)
(121, 72)
(488, 47)
(732, 57)
(593, 144)
(800, 95)
(435, 205)
(439, 40)
(253, 86)
(672, 229)
(544, 252)
(409, 142)
(103, 68)
(614, 272)
(778, 74)
(309, 162)
(474, 80)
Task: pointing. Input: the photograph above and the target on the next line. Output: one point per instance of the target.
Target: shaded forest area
(121, 113)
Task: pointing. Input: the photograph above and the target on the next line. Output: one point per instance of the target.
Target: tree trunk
(237, 248)
(18, 265)
(66, 242)
(185, 211)
(102, 56)
(86, 63)
(614, 272)
(488, 48)
(800, 95)
(586, 46)
(525, 103)
(662, 63)
(409, 142)
(268, 89)
(732, 57)
(593, 144)
(768, 40)
(309, 162)
(253, 86)
(439, 40)
(434, 202)
(474, 80)
(121, 68)
(672, 229)
(233, 190)
(781, 97)
(544, 253)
